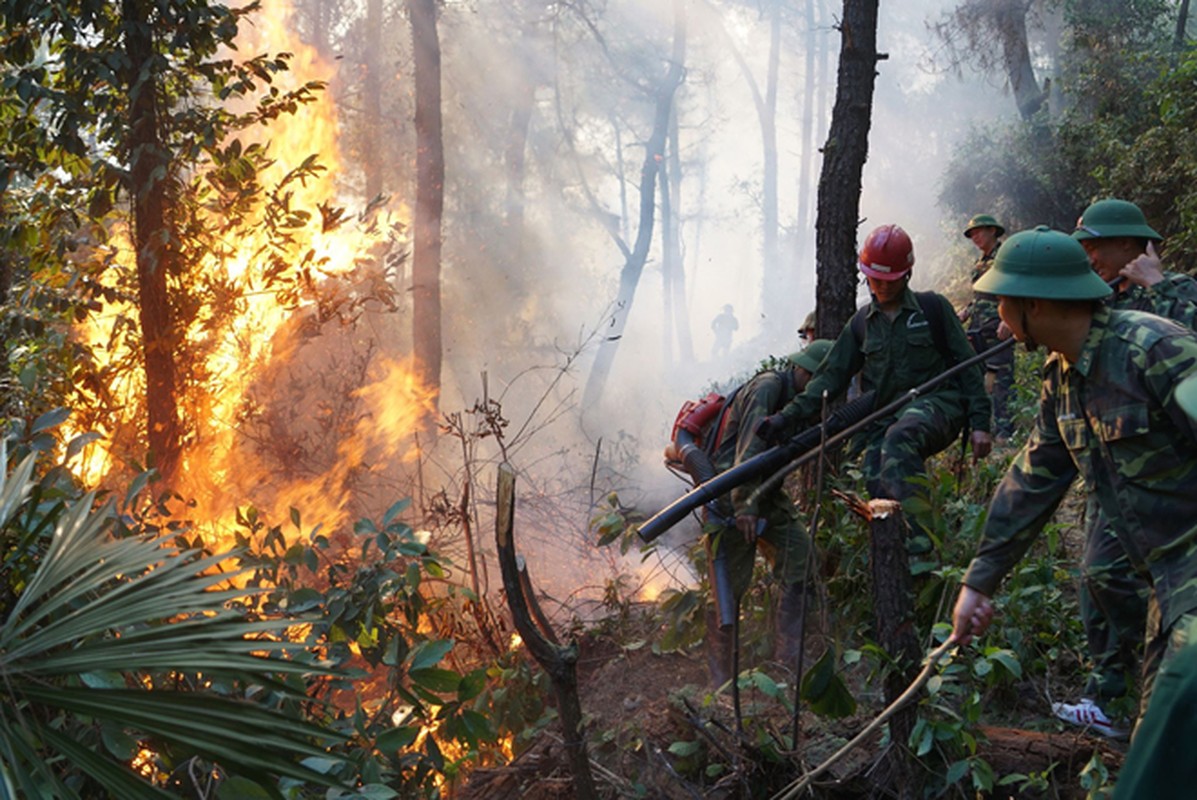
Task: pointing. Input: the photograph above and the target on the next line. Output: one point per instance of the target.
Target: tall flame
(269, 392)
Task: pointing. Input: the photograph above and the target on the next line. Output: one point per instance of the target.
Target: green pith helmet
(810, 357)
(1042, 263)
(1109, 218)
(983, 221)
(1186, 395)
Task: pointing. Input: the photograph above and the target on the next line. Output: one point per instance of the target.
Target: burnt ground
(638, 704)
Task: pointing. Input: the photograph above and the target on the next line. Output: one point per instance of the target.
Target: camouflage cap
(1186, 394)
(811, 356)
(1111, 218)
(983, 221)
(1043, 263)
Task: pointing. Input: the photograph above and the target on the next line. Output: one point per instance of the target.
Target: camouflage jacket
(896, 356)
(1175, 297)
(1110, 418)
(761, 396)
(982, 314)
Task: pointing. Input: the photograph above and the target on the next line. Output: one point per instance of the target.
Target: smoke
(545, 124)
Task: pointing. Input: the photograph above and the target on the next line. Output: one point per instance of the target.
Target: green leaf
(238, 788)
(441, 681)
(51, 419)
(375, 791)
(304, 600)
(925, 740)
(397, 739)
(825, 692)
(472, 685)
(957, 771)
(1009, 660)
(764, 684)
(108, 679)
(684, 749)
(428, 654)
(118, 742)
(818, 677)
(394, 511)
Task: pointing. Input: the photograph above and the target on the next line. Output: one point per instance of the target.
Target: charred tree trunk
(844, 157)
(560, 663)
(430, 195)
(153, 241)
(629, 276)
(893, 605)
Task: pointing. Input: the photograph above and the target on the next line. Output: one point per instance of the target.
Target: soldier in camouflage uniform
(898, 351)
(981, 319)
(1159, 764)
(1108, 414)
(1113, 598)
(773, 524)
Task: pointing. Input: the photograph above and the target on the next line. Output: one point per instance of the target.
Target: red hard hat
(887, 253)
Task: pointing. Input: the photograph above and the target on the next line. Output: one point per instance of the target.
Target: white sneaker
(1087, 714)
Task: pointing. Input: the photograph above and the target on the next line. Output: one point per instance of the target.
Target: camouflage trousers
(897, 448)
(1161, 651)
(1113, 601)
(999, 379)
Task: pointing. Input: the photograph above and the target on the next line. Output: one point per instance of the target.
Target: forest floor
(656, 729)
(644, 710)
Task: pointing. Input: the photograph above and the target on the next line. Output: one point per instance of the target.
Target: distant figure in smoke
(981, 319)
(724, 325)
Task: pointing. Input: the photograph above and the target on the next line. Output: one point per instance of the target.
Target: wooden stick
(797, 787)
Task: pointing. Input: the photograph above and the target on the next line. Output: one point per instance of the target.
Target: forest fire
(294, 401)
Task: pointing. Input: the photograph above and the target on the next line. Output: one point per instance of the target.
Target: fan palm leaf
(101, 626)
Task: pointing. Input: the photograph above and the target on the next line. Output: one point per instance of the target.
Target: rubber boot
(720, 644)
(790, 624)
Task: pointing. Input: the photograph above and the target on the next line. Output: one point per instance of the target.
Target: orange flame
(275, 350)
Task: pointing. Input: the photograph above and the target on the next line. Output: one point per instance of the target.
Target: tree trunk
(372, 160)
(149, 164)
(681, 308)
(774, 295)
(776, 287)
(1010, 16)
(802, 223)
(668, 266)
(430, 196)
(844, 157)
(893, 606)
(676, 320)
(560, 663)
(629, 276)
(1182, 28)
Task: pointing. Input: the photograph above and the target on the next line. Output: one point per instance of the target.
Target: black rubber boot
(790, 624)
(720, 644)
